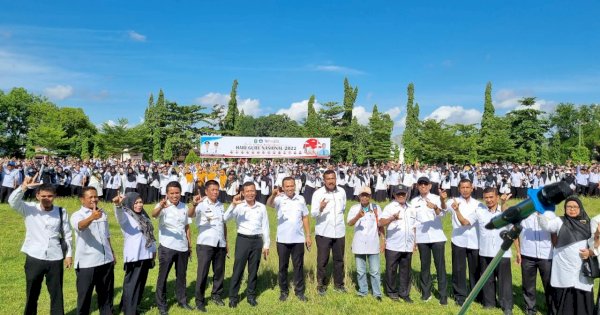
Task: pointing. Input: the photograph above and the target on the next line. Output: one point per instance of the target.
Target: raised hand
(443, 194)
(237, 199)
(118, 199)
(163, 203)
(323, 204)
(454, 204)
(29, 183)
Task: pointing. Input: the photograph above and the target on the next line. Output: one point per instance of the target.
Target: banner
(264, 147)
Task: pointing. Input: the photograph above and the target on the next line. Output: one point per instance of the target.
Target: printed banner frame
(264, 147)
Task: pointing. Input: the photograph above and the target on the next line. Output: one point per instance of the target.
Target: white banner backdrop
(264, 147)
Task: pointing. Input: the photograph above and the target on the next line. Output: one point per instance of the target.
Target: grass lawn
(12, 280)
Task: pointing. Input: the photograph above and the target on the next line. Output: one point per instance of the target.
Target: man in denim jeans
(366, 244)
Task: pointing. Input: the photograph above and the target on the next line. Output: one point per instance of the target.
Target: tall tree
(232, 110)
(349, 100)
(380, 129)
(14, 111)
(410, 136)
(360, 147)
(488, 110)
(528, 128)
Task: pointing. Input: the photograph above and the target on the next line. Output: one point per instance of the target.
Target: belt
(257, 236)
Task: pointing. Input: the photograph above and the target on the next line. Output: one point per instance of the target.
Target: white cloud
(400, 123)
(250, 106)
(509, 99)
(337, 69)
(298, 110)
(59, 92)
(455, 114)
(361, 114)
(394, 112)
(135, 36)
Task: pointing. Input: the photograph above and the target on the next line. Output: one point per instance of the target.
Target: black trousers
(324, 246)
(425, 252)
(593, 190)
(503, 278)
(35, 271)
(136, 274)
(206, 256)
(166, 258)
(142, 189)
(75, 190)
(461, 256)
(100, 277)
(529, 269)
(573, 301)
(4, 193)
(397, 263)
(248, 249)
(296, 251)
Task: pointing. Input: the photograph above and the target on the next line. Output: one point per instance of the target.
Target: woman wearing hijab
(154, 187)
(139, 248)
(142, 183)
(572, 290)
(131, 180)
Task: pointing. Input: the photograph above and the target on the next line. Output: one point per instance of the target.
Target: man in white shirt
(175, 246)
(94, 257)
(366, 243)
(293, 233)
(42, 244)
(489, 244)
(252, 239)
(400, 221)
(430, 238)
(327, 207)
(10, 178)
(465, 243)
(211, 245)
(535, 255)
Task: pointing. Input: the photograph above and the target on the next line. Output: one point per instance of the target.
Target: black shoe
(283, 296)
(233, 303)
(252, 301)
(394, 297)
(378, 298)
(163, 312)
(407, 299)
(302, 298)
(460, 303)
(201, 307)
(218, 301)
(321, 291)
(444, 301)
(340, 289)
(426, 298)
(185, 306)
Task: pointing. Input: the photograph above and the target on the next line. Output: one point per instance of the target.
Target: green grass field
(12, 280)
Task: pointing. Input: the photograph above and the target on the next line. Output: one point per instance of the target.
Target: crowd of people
(555, 245)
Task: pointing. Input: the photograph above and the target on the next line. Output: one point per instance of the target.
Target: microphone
(539, 200)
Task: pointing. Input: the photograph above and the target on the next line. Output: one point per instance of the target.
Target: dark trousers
(136, 274)
(4, 193)
(35, 271)
(462, 256)
(75, 190)
(593, 190)
(166, 258)
(324, 246)
(529, 269)
(100, 277)
(397, 263)
(207, 255)
(425, 252)
(573, 301)
(296, 251)
(502, 276)
(248, 249)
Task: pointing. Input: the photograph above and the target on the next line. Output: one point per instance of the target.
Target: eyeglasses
(572, 207)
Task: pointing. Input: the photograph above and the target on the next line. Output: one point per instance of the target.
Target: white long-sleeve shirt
(211, 226)
(429, 227)
(400, 235)
(134, 243)
(566, 263)
(42, 228)
(465, 236)
(330, 221)
(93, 243)
(250, 220)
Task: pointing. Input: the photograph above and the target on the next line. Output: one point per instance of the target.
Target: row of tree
(30, 124)
(525, 134)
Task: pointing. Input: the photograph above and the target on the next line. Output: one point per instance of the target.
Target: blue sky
(108, 56)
